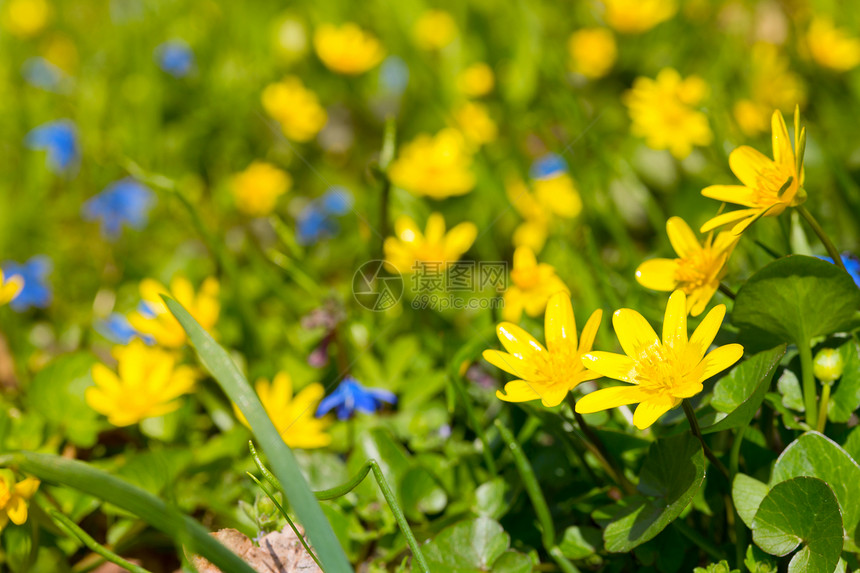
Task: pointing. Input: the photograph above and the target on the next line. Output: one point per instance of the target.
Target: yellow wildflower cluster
(434, 30)
(476, 80)
(347, 49)
(474, 122)
(533, 285)
(436, 166)
(410, 248)
(14, 497)
(662, 111)
(637, 16)
(256, 190)
(832, 47)
(592, 52)
(295, 107)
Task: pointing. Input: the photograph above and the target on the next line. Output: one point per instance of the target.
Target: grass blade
(100, 484)
(233, 382)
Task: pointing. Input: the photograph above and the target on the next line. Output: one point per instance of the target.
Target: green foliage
(473, 546)
(796, 298)
(671, 475)
(800, 511)
(846, 396)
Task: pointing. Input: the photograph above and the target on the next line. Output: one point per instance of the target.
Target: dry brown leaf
(279, 552)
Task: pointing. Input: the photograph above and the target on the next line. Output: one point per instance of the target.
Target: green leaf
(747, 494)
(490, 499)
(672, 473)
(216, 360)
(789, 388)
(421, 494)
(846, 397)
(468, 546)
(721, 567)
(816, 455)
(57, 392)
(181, 528)
(739, 394)
(802, 510)
(757, 561)
(377, 444)
(512, 562)
(796, 298)
(580, 542)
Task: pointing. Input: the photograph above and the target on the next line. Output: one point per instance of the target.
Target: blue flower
(319, 219)
(550, 165)
(351, 396)
(175, 58)
(36, 292)
(394, 75)
(60, 139)
(852, 265)
(119, 330)
(41, 73)
(124, 202)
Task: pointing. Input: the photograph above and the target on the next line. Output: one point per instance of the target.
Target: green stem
(472, 417)
(740, 530)
(72, 528)
(808, 381)
(825, 240)
(535, 494)
(694, 427)
(598, 449)
(388, 494)
(822, 410)
(727, 291)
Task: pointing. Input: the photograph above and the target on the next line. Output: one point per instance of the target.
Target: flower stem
(727, 291)
(822, 409)
(825, 240)
(694, 427)
(537, 498)
(598, 449)
(808, 381)
(72, 528)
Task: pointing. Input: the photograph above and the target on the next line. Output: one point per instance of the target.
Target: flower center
(696, 271)
(771, 181)
(663, 370)
(559, 367)
(527, 278)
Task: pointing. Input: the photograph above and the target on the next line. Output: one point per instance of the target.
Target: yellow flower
(293, 416)
(347, 49)
(592, 52)
(769, 186)
(475, 123)
(558, 194)
(434, 30)
(411, 247)
(534, 284)
(698, 269)
(636, 16)
(258, 187)
(547, 373)
(435, 166)
(533, 231)
(147, 385)
(832, 47)
(662, 373)
(14, 497)
(772, 86)
(154, 319)
(662, 112)
(9, 288)
(295, 107)
(26, 18)
(477, 80)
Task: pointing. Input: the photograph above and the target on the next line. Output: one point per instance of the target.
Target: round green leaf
(738, 395)
(672, 473)
(816, 455)
(799, 511)
(846, 398)
(747, 493)
(420, 494)
(796, 298)
(470, 546)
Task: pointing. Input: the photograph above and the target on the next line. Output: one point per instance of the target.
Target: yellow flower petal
(519, 342)
(458, 240)
(650, 411)
(730, 217)
(634, 333)
(658, 274)
(611, 365)
(524, 258)
(683, 240)
(706, 332)
(748, 164)
(16, 509)
(607, 398)
(560, 324)
(589, 331)
(737, 194)
(697, 302)
(27, 487)
(518, 391)
(552, 396)
(783, 153)
(407, 230)
(435, 230)
(675, 321)
(720, 359)
(509, 363)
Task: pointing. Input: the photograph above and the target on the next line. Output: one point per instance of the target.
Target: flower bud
(828, 365)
